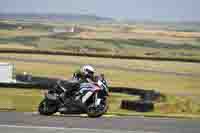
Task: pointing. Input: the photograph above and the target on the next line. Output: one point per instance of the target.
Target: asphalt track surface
(14, 122)
(107, 66)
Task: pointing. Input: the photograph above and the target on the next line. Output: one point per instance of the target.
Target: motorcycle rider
(87, 75)
(84, 75)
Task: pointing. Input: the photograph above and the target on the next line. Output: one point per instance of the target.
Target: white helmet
(87, 70)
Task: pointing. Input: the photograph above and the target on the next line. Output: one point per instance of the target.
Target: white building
(7, 72)
(59, 30)
(64, 30)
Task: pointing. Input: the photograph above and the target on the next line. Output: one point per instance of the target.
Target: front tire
(94, 112)
(47, 107)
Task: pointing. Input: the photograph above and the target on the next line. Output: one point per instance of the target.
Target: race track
(14, 122)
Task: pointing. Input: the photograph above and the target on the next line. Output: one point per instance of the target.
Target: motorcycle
(77, 98)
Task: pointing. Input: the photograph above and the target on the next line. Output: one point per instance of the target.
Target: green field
(131, 40)
(182, 91)
(28, 100)
(154, 75)
(175, 106)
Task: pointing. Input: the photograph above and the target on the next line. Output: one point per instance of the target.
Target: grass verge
(23, 100)
(165, 83)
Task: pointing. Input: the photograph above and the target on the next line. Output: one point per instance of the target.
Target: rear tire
(47, 107)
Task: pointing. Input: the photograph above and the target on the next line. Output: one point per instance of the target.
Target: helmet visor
(90, 73)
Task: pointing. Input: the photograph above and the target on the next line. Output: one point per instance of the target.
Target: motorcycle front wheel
(98, 111)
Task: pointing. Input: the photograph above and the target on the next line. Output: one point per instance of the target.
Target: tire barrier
(20, 85)
(146, 95)
(145, 104)
(41, 82)
(49, 52)
(45, 82)
(139, 106)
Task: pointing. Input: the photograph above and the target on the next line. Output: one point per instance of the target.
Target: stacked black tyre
(139, 106)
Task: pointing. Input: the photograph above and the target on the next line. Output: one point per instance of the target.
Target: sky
(155, 10)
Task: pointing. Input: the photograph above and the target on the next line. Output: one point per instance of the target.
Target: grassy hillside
(128, 40)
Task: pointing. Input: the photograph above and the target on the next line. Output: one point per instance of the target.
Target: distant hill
(55, 17)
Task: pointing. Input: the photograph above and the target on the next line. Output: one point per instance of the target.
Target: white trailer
(7, 72)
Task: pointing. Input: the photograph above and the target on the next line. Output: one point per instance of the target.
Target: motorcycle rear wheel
(47, 107)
